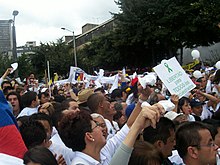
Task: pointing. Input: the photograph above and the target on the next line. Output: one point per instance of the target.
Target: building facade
(5, 36)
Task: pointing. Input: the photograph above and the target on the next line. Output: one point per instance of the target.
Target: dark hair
(187, 135)
(181, 103)
(116, 93)
(22, 119)
(93, 101)
(7, 89)
(66, 103)
(72, 129)
(145, 153)
(59, 98)
(41, 116)
(162, 131)
(217, 77)
(40, 155)
(46, 94)
(153, 98)
(33, 133)
(6, 82)
(28, 97)
(213, 126)
(100, 89)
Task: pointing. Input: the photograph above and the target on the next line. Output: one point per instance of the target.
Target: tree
(5, 62)
(25, 65)
(100, 53)
(160, 27)
(58, 54)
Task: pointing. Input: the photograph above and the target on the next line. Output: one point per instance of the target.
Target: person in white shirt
(30, 102)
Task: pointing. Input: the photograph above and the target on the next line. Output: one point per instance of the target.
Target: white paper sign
(174, 77)
(14, 67)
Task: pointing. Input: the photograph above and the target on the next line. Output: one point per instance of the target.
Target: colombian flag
(11, 142)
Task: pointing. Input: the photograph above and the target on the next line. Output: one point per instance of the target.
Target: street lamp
(14, 45)
(74, 44)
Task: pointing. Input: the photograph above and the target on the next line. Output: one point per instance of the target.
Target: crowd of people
(69, 124)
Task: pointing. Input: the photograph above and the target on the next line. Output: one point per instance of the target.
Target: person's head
(100, 119)
(216, 78)
(214, 129)
(145, 153)
(202, 81)
(98, 103)
(45, 120)
(6, 84)
(116, 94)
(195, 145)
(22, 119)
(20, 90)
(46, 108)
(15, 100)
(184, 106)
(39, 155)
(163, 137)
(79, 131)
(44, 97)
(33, 133)
(30, 99)
(7, 90)
(70, 104)
(196, 106)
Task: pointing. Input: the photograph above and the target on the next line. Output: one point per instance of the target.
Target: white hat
(171, 115)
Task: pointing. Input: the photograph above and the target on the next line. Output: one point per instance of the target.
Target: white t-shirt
(10, 160)
(28, 111)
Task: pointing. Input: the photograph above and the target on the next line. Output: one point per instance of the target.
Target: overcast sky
(41, 20)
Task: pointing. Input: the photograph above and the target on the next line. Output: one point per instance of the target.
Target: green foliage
(58, 54)
(160, 27)
(5, 62)
(100, 53)
(24, 65)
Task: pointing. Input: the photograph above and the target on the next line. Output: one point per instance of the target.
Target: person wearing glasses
(195, 144)
(84, 135)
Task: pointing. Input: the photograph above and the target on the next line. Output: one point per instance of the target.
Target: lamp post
(74, 45)
(14, 45)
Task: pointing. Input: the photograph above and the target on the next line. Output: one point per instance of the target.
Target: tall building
(5, 36)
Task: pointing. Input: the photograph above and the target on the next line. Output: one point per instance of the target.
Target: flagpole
(48, 73)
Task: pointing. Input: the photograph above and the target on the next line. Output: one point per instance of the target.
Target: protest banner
(174, 77)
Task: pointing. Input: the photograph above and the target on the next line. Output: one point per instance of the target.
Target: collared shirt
(112, 129)
(84, 159)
